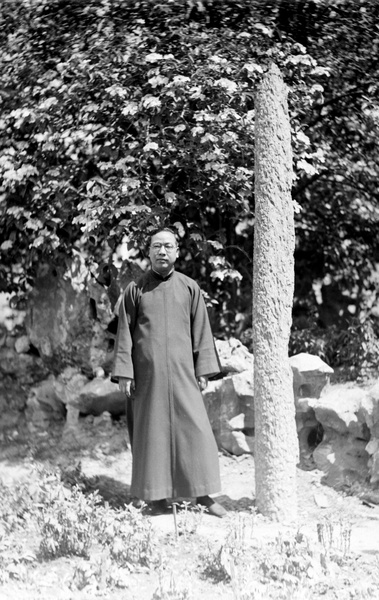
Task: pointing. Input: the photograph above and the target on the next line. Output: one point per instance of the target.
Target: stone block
(234, 356)
(244, 388)
(343, 459)
(222, 404)
(339, 409)
(99, 396)
(236, 443)
(310, 375)
(370, 409)
(372, 450)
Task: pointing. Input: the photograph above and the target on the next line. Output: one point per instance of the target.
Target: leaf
(150, 101)
(7, 245)
(253, 68)
(180, 80)
(227, 84)
(179, 128)
(154, 57)
(208, 137)
(137, 208)
(150, 147)
(130, 108)
(215, 244)
(170, 197)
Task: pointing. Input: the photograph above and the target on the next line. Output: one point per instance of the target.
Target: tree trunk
(276, 445)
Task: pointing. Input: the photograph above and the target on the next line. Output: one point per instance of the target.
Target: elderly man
(164, 354)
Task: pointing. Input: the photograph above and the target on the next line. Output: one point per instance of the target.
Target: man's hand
(202, 382)
(126, 385)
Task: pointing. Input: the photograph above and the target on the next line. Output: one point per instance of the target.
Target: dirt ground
(101, 455)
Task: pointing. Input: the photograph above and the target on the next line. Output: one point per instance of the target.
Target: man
(164, 353)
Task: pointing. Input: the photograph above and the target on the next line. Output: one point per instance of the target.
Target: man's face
(163, 252)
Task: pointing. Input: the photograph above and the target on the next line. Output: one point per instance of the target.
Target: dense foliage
(117, 116)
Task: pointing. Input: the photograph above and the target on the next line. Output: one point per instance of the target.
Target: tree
(118, 115)
(276, 445)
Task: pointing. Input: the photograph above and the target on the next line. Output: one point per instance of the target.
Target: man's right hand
(126, 385)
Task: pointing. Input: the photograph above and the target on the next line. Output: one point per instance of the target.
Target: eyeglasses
(168, 247)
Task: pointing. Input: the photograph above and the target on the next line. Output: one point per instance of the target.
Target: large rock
(228, 401)
(310, 376)
(342, 458)
(342, 453)
(44, 404)
(372, 450)
(222, 404)
(59, 321)
(69, 316)
(370, 411)
(18, 365)
(99, 396)
(54, 398)
(244, 387)
(234, 356)
(71, 395)
(340, 409)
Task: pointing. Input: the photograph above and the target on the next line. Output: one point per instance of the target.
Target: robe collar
(162, 277)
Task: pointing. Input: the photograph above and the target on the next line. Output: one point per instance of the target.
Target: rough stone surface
(59, 321)
(103, 421)
(369, 409)
(236, 442)
(100, 396)
(310, 376)
(69, 317)
(22, 344)
(222, 404)
(342, 458)
(53, 398)
(234, 356)
(372, 450)
(244, 387)
(342, 454)
(12, 363)
(340, 409)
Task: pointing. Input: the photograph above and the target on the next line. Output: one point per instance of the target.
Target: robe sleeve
(205, 357)
(122, 362)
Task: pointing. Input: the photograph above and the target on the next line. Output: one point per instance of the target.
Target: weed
(99, 574)
(334, 534)
(16, 506)
(289, 560)
(170, 590)
(14, 562)
(189, 518)
(130, 538)
(220, 565)
(68, 522)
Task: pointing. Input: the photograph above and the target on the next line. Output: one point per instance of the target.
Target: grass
(48, 525)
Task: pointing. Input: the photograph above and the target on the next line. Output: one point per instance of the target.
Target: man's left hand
(202, 382)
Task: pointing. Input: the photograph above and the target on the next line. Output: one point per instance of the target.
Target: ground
(332, 551)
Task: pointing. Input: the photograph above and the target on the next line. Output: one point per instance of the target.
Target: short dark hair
(162, 229)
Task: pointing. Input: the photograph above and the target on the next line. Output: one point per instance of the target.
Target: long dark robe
(164, 342)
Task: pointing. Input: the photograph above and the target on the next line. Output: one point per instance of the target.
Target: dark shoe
(214, 508)
(137, 503)
(159, 507)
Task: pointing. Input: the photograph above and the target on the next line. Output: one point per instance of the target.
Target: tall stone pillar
(276, 443)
